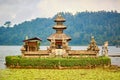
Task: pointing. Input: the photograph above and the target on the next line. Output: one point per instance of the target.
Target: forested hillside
(104, 26)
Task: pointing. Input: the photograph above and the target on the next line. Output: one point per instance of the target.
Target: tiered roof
(93, 46)
(59, 27)
(59, 18)
(59, 22)
(31, 39)
(59, 36)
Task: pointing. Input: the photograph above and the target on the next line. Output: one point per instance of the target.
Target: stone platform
(60, 52)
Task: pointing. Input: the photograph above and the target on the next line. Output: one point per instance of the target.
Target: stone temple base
(60, 53)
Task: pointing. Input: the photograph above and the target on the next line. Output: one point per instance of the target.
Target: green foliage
(7, 23)
(12, 60)
(17, 61)
(55, 74)
(103, 25)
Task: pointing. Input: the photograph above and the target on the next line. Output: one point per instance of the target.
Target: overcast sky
(18, 11)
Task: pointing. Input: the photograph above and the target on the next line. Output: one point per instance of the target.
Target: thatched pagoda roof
(59, 27)
(31, 39)
(57, 36)
(59, 18)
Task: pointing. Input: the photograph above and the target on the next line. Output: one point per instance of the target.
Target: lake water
(15, 50)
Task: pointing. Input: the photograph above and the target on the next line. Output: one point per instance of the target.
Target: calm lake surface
(15, 50)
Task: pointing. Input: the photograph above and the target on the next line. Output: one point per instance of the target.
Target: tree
(7, 23)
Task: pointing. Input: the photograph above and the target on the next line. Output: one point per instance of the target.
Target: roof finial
(92, 37)
(59, 15)
(26, 37)
(59, 18)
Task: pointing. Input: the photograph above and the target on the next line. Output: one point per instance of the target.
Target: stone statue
(105, 49)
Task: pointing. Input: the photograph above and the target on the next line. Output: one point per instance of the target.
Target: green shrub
(12, 60)
(18, 61)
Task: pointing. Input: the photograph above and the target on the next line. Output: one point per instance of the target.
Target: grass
(55, 74)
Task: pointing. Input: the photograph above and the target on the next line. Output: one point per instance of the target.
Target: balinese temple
(58, 44)
(59, 40)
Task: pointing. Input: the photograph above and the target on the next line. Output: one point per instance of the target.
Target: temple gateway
(58, 44)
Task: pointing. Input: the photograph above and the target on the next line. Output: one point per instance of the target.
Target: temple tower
(93, 46)
(59, 40)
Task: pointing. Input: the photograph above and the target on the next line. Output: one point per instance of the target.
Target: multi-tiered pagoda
(59, 40)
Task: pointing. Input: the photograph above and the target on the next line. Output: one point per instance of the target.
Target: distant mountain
(105, 26)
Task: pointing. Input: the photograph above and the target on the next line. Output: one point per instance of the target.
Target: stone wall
(40, 53)
(72, 53)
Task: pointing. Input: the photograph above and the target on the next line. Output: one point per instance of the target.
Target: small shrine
(93, 46)
(31, 44)
(92, 50)
(59, 40)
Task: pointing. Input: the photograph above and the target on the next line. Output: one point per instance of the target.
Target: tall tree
(7, 23)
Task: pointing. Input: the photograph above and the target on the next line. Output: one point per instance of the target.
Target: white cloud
(18, 11)
(51, 7)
